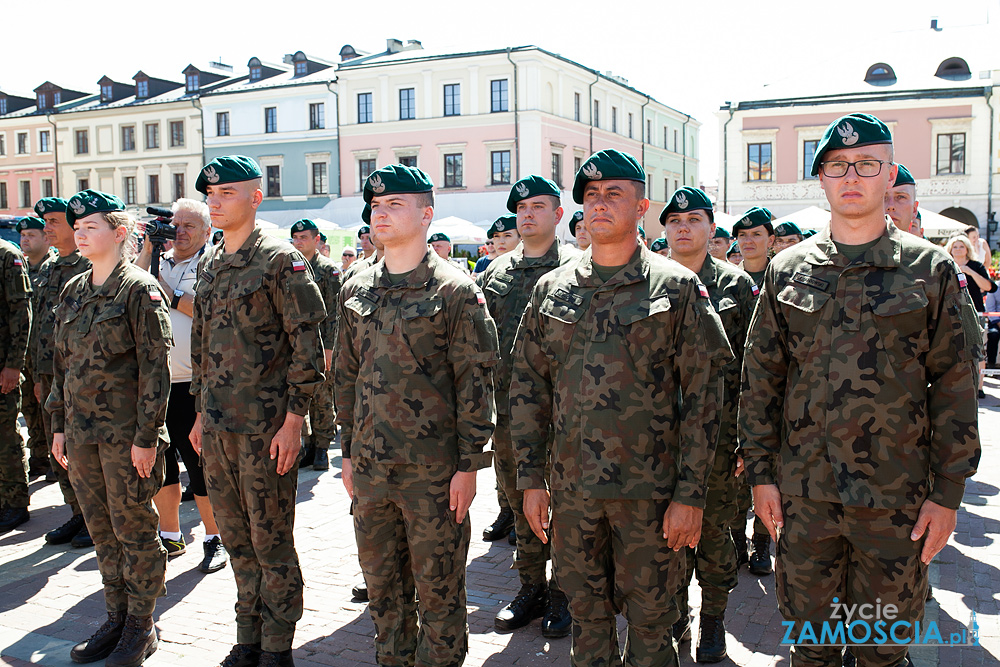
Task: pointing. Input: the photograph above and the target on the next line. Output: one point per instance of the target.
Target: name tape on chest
(367, 294)
(567, 297)
(811, 281)
(207, 277)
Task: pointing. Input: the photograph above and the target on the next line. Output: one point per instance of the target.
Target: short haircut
(198, 208)
(425, 199)
(640, 189)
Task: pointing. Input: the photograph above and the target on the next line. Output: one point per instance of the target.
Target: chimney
(934, 25)
(413, 45)
(393, 45)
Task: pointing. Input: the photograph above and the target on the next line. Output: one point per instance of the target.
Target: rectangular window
(501, 167)
(320, 186)
(453, 99)
(273, 181)
(577, 163)
(152, 135)
(649, 131)
(270, 119)
(301, 68)
(614, 119)
(498, 95)
(178, 186)
(365, 108)
(557, 169)
(407, 104)
(630, 132)
(365, 169)
(25, 190)
(408, 161)
(153, 188)
(677, 184)
(22, 143)
(44, 141)
(3, 144)
(82, 143)
(47, 187)
(3, 195)
(142, 89)
(82, 184)
(576, 107)
(759, 162)
(666, 131)
(128, 137)
(596, 119)
(106, 93)
(317, 116)
(128, 188)
(222, 124)
(808, 152)
(176, 133)
(191, 83)
(666, 189)
(675, 141)
(951, 153)
(3, 105)
(453, 170)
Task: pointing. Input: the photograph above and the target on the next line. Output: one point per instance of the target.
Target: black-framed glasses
(348, 254)
(863, 168)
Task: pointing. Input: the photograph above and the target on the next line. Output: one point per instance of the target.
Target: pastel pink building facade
(27, 163)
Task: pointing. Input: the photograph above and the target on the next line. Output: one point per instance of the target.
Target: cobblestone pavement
(50, 597)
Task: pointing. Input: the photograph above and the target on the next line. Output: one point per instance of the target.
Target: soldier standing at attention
(901, 203)
(719, 244)
(579, 231)
(605, 347)
(256, 358)
(859, 407)
(786, 235)
(53, 275)
(364, 235)
(15, 326)
(414, 391)
(508, 282)
(690, 226)
(305, 238)
(108, 406)
(36, 250)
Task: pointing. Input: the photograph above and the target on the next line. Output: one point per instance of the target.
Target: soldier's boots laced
(681, 630)
(760, 559)
(82, 539)
(242, 655)
(557, 622)
(501, 527)
(137, 643)
(529, 604)
(711, 639)
(740, 540)
(101, 643)
(65, 532)
(276, 659)
(12, 517)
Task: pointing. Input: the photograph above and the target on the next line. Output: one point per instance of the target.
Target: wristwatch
(177, 298)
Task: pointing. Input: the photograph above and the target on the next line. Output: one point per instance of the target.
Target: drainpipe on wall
(590, 95)
(336, 112)
(684, 149)
(725, 162)
(517, 127)
(989, 183)
(55, 150)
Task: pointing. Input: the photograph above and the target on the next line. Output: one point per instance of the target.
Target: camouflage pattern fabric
(358, 265)
(321, 413)
(255, 509)
(15, 325)
(62, 475)
(31, 408)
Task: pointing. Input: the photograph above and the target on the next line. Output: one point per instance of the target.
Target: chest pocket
(560, 318)
(646, 328)
(498, 286)
(250, 306)
(901, 318)
(729, 313)
(802, 308)
(425, 332)
(114, 331)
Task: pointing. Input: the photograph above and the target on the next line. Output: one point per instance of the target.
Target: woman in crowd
(978, 281)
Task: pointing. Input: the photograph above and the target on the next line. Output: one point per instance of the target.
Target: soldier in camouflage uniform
(362, 263)
(605, 347)
(36, 250)
(901, 203)
(257, 359)
(53, 275)
(111, 383)
(859, 407)
(15, 326)
(414, 396)
(689, 223)
(305, 237)
(579, 231)
(507, 283)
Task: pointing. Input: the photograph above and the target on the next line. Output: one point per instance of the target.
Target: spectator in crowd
(719, 244)
(347, 257)
(981, 249)
(489, 253)
(977, 280)
(992, 303)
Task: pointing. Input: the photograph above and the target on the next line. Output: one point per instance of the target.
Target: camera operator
(178, 271)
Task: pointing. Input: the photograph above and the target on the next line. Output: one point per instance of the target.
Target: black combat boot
(711, 640)
(242, 655)
(138, 642)
(740, 540)
(276, 659)
(101, 643)
(360, 592)
(681, 630)
(557, 622)
(82, 539)
(529, 604)
(65, 532)
(321, 460)
(12, 517)
(501, 527)
(760, 559)
(307, 453)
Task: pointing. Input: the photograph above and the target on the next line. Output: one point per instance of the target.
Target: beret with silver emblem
(365, 229)
(29, 223)
(226, 169)
(505, 223)
(304, 224)
(734, 249)
(687, 199)
(89, 202)
(574, 221)
(787, 229)
(903, 176)
(851, 131)
(438, 236)
(50, 205)
(607, 165)
(721, 233)
(396, 179)
(658, 244)
(755, 217)
(529, 187)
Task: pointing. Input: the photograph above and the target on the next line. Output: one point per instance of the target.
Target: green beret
(226, 169)
(687, 199)
(574, 221)
(851, 131)
(903, 176)
(809, 232)
(50, 205)
(29, 223)
(755, 217)
(322, 237)
(787, 229)
(721, 233)
(366, 214)
(303, 225)
(734, 249)
(438, 236)
(396, 179)
(642, 232)
(505, 223)
(529, 187)
(658, 245)
(365, 229)
(607, 165)
(89, 202)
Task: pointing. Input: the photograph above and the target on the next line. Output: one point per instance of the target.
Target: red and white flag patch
(754, 289)
(962, 279)
(480, 297)
(298, 265)
(154, 295)
(17, 262)
(702, 290)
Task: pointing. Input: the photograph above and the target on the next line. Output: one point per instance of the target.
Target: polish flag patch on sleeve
(17, 262)
(703, 291)
(480, 297)
(962, 280)
(154, 295)
(298, 265)
(754, 289)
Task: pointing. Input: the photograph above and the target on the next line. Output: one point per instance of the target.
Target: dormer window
(192, 82)
(3, 105)
(255, 73)
(56, 97)
(880, 74)
(301, 68)
(106, 93)
(43, 101)
(953, 69)
(142, 88)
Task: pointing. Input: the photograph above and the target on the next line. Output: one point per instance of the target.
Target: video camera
(159, 231)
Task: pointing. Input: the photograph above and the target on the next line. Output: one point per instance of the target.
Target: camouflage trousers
(255, 509)
(118, 508)
(68, 494)
(322, 413)
(855, 555)
(532, 554)
(400, 507)
(714, 559)
(744, 503)
(611, 558)
(38, 448)
(13, 462)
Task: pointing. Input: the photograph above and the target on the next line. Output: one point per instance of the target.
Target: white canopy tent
(811, 217)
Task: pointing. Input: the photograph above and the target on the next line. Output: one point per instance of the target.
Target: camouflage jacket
(507, 284)
(627, 376)
(868, 368)
(256, 352)
(360, 264)
(327, 276)
(15, 306)
(112, 365)
(52, 277)
(733, 295)
(414, 378)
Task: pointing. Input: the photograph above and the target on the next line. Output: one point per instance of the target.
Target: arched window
(953, 69)
(880, 74)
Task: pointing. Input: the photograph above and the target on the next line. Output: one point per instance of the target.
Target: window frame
(499, 99)
(153, 188)
(317, 116)
(176, 139)
(83, 134)
(46, 145)
(23, 143)
(454, 179)
(130, 192)
(146, 127)
(503, 156)
(363, 163)
(123, 131)
(760, 169)
(807, 163)
(271, 120)
(557, 168)
(366, 107)
(324, 184)
(222, 125)
(412, 103)
(950, 136)
(272, 178)
(452, 99)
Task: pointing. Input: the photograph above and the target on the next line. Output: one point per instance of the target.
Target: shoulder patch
(18, 262)
(298, 265)
(754, 288)
(962, 280)
(703, 291)
(154, 293)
